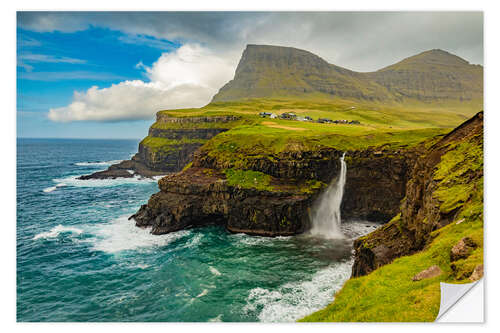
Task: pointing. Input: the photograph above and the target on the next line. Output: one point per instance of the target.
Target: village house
(288, 116)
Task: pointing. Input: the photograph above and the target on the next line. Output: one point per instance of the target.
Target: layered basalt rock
(321, 164)
(421, 211)
(376, 183)
(199, 197)
(376, 178)
(182, 137)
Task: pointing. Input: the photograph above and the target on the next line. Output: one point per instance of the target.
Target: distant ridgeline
(275, 72)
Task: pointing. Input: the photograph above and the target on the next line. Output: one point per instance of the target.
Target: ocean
(79, 258)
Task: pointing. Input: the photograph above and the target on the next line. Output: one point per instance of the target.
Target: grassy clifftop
(379, 125)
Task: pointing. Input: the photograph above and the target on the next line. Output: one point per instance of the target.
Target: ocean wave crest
(53, 188)
(74, 181)
(121, 235)
(56, 231)
(295, 300)
(103, 163)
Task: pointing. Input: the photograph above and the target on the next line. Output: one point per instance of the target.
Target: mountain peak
(257, 57)
(269, 71)
(430, 58)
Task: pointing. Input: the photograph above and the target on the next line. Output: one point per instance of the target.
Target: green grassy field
(250, 134)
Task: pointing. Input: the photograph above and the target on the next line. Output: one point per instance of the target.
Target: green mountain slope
(432, 76)
(266, 71)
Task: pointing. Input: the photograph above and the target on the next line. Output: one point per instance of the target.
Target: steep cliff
(445, 185)
(169, 146)
(272, 194)
(199, 197)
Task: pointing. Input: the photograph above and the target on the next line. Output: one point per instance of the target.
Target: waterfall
(326, 216)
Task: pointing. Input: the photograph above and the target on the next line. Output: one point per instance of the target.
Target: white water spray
(326, 218)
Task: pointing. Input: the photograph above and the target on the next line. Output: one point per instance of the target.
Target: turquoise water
(80, 259)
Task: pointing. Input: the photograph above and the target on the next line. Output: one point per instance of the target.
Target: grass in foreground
(388, 294)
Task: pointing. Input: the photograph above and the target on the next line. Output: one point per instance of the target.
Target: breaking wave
(104, 163)
(53, 188)
(121, 234)
(214, 271)
(56, 231)
(74, 181)
(295, 300)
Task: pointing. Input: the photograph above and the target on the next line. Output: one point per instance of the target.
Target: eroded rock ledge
(200, 196)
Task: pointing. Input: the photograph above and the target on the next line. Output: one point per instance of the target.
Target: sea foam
(53, 188)
(74, 181)
(214, 271)
(295, 300)
(104, 163)
(56, 231)
(121, 235)
(49, 189)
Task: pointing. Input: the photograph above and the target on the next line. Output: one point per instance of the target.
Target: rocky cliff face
(266, 71)
(198, 197)
(201, 194)
(169, 146)
(376, 183)
(441, 186)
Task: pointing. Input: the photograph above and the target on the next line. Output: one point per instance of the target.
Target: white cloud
(148, 41)
(341, 38)
(187, 77)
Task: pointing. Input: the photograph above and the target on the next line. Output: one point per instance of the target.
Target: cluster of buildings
(293, 116)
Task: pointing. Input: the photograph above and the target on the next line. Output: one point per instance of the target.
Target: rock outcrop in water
(199, 197)
(422, 210)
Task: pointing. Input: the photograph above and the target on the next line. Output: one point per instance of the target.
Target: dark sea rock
(198, 197)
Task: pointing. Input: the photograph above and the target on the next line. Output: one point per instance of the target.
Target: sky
(106, 74)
